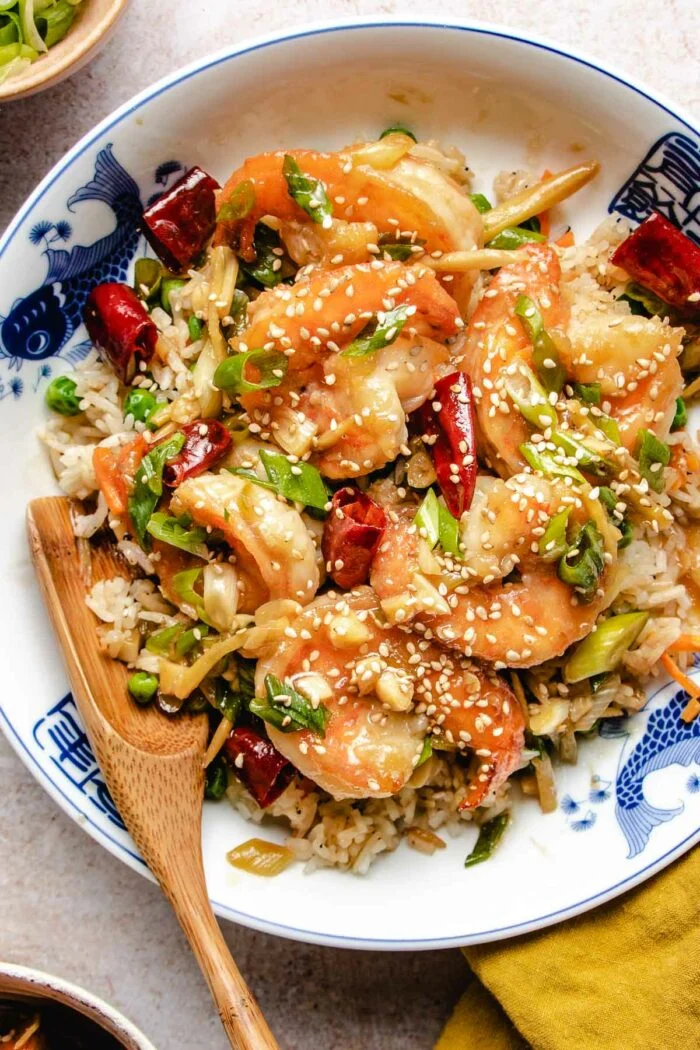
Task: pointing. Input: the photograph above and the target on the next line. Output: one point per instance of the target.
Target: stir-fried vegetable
(426, 751)
(381, 332)
(588, 393)
(298, 482)
(437, 525)
(168, 285)
(186, 537)
(352, 533)
(240, 203)
(530, 398)
(549, 464)
(269, 267)
(602, 650)
(178, 224)
(206, 441)
(234, 374)
(259, 857)
(490, 834)
(309, 193)
(148, 273)
(179, 681)
(583, 563)
(448, 427)
(480, 202)
(287, 710)
(216, 781)
(545, 356)
(60, 396)
(585, 457)
(119, 326)
(538, 198)
(258, 764)
(143, 686)
(609, 500)
(664, 261)
(398, 129)
(680, 418)
(554, 544)
(514, 237)
(653, 456)
(148, 483)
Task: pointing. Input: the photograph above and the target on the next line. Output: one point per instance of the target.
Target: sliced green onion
(266, 270)
(481, 203)
(548, 464)
(588, 393)
(239, 204)
(490, 834)
(230, 702)
(426, 752)
(139, 404)
(533, 224)
(582, 565)
(382, 333)
(192, 539)
(168, 285)
(530, 398)
(148, 274)
(309, 193)
(188, 639)
(585, 457)
(398, 129)
(553, 544)
(653, 455)
(250, 475)
(601, 651)
(161, 643)
(680, 418)
(195, 327)
(288, 710)
(148, 483)
(60, 396)
(514, 237)
(545, 355)
(644, 303)
(439, 525)
(271, 366)
(143, 686)
(297, 482)
(609, 500)
(184, 587)
(607, 424)
(216, 780)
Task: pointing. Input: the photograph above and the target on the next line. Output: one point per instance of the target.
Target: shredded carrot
(685, 643)
(566, 240)
(692, 708)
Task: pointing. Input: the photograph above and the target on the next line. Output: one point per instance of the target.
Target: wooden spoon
(152, 763)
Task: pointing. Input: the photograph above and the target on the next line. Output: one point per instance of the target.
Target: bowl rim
(37, 983)
(180, 75)
(44, 74)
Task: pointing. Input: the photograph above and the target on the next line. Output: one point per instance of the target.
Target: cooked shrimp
(411, 197)
(496, 342)
(635, 361)
(273, 548)
(385, 689)
(349, 412)
(470, 604)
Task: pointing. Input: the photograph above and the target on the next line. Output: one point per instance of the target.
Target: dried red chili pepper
(206, 441)
(664, 260)
(178, 224)
(260, 766)
(119, 326)
(449, 425)
(352, 533)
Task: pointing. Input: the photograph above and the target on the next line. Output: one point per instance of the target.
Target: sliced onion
(259, 857)
(383, 154)
(294, 434)
(220, 594)
(178, 680)
(224, 274)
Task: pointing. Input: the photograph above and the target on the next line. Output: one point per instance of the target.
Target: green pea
(60, 396)
(167, 286)
(139, 404)
(195, 327)
(143, 686)
(216, 780)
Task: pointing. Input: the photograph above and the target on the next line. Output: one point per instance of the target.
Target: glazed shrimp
(496, 342)
(348, 413)
(410, 196)
(385, 689)
(274, 552)
(469, 604)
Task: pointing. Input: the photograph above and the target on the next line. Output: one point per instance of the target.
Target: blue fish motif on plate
(667, 741)
(41, 324)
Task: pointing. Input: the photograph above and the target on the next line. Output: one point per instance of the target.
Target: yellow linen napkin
(623, 977)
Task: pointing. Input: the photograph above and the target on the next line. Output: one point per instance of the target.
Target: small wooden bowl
(35, 988)
(90, 32)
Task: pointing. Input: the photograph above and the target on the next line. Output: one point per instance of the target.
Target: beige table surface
(66, 905)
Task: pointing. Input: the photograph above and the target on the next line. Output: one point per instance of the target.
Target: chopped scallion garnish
(297, 482)
(190, 538)
(490, 834)
(271, 366)
(148, 484)
(381, 333)
(601, 651)
(309, 193)
(545, 355)
(287, 710)
(553, 544)
(239, 204)
(653, 455)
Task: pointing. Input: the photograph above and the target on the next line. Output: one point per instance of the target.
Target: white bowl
(26, 985)
(507, 102)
